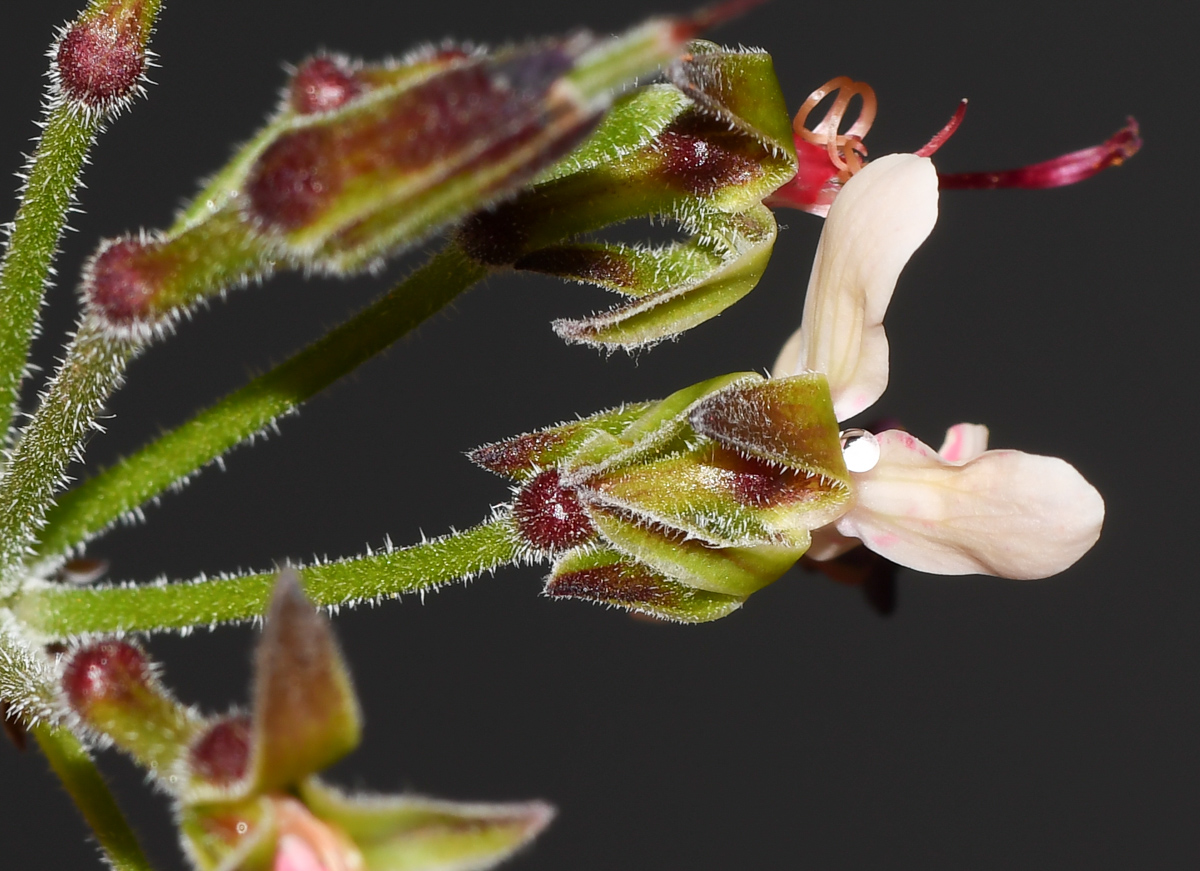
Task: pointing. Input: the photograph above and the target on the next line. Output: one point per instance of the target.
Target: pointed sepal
(413, 833)
(306, 715)
(608, 577)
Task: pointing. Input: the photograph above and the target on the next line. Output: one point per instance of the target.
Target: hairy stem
(49, 190)
(97, 503)
(87, 376)
(74, 766)
(61, 612)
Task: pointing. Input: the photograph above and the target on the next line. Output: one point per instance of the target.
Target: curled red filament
(846, 150)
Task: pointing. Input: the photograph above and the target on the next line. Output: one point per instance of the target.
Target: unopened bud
(323, 83)
(113, 688)
(101, 57)
(221, 755)
(549, 515)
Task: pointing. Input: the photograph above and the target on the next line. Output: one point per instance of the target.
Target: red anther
(939, 138)
(549, 516)
(107, 671)
(100, 60)
(322, 84)
(121, 282)
(222, 755)
(1064, 170)
(845, 150)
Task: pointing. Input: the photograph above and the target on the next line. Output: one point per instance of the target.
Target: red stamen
(939, 138)
(845, 150)
(1064, 170)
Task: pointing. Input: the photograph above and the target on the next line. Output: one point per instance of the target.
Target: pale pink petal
(1003, 513)
(294, 854)
(964, 442)
(879, 219)
(828, 543)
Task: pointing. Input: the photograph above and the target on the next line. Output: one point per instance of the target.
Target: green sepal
(608, 577)
(306, 715)
(412, 833)
(721, 496)
(663, 426)
(683, 285)
(787, 421)
(229, 836)
(733, 571)
(707, 167)
(523, 456)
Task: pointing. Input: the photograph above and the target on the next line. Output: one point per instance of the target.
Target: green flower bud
(713, 490)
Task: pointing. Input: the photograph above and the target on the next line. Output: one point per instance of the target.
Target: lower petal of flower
(1003, 513)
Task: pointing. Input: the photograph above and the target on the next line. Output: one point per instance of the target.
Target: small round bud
(121, 282)
(549, 515)
(322, 84)
(100, 60)
(105, 672)
(860, 450)
(222, 754)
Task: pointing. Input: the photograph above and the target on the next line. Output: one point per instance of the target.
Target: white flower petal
(1003, 513)
(964, 442)
(879, 219)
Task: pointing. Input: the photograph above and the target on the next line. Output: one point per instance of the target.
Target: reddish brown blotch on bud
(549, 514)
(107, 672)
(221, 755)
(101, 57)
(323, 83)
(122, 280)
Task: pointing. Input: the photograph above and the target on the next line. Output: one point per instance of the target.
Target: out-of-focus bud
(250, 801)
(703, 151)
(100, 58)
(362, 161)
(114, 689)
(684, 507)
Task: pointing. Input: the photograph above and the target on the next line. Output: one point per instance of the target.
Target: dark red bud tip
(108, 671)
(121, 282)
(222, 754)
(549, 516)
(322, 84)
(100, 60)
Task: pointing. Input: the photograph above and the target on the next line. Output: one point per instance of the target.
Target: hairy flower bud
(684, 507)
(101, 57)
(114, 689)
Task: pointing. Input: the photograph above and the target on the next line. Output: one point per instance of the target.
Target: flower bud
(114, 689)
(101, 57)
(221, 755)
(684, 507)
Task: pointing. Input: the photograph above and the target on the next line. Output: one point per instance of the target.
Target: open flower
(958, 511)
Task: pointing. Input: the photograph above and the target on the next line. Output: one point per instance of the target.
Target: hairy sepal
(609, 577)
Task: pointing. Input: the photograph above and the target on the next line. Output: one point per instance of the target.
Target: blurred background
(985, 724)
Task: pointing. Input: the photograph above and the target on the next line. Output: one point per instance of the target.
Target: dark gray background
(987, 724)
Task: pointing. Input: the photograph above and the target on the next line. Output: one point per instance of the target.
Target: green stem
(84, 783)
(51, 180)
(92, 369)
(62, 612)
(97, 503)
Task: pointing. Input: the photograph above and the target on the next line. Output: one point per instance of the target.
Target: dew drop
(860, 450)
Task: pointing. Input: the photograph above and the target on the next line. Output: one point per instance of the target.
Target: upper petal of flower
(879, 219)
(1003, 513)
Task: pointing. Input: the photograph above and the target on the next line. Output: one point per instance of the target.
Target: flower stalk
(97, 66)
(74, 767)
